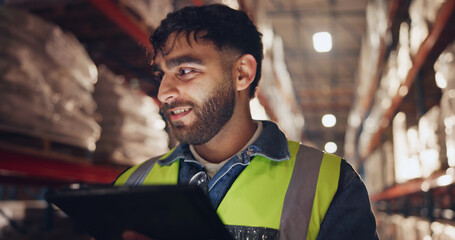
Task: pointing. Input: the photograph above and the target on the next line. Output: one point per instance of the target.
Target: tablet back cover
(160, 212)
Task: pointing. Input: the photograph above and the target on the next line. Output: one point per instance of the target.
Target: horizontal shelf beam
(21, 165)
(113, 12)
(439, 179)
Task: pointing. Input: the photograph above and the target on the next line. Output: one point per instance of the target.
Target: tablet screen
(160, 212)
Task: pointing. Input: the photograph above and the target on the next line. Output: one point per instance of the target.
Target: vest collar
(272, 143)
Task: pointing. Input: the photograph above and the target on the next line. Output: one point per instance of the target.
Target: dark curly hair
(227, 28)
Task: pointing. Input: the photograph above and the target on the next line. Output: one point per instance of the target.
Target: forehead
(181, 44)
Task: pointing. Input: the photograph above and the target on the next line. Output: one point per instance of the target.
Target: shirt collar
(272, 143)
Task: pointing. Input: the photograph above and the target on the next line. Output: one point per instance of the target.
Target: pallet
(36, 146)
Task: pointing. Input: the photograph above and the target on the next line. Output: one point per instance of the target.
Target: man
(208, 62)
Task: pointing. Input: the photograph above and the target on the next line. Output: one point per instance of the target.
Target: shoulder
(335, 165)
(348, 176)
(323, 159)
(136, 172)
(350, 215)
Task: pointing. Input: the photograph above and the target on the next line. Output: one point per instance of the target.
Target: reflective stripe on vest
(309, 191)
(299, 192)
(149, 174)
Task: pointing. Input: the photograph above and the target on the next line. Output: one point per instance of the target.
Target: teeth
(179, 111)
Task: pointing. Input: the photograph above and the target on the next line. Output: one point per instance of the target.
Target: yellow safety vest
(291, 196)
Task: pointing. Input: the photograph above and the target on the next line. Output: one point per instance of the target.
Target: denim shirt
(349, 216)
(271, 143)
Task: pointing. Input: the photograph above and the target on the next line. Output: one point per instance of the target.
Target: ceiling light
(322, 41)
(330, 147)
(329, 120)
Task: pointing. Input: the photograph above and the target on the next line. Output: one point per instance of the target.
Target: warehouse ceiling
(323, 82)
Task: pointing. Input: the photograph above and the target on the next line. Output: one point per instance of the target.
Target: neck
(231, 138)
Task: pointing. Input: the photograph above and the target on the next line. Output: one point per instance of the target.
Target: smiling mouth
(178, 114)
(180, 111)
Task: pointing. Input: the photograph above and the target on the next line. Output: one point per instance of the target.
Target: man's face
(196, 92)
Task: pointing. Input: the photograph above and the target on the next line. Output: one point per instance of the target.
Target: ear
(245, 71)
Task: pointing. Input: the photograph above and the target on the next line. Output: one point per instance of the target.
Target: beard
(211, 115)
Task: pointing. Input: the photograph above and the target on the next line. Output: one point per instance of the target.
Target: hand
(130, 235)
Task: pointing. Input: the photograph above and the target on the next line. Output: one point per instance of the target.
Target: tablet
(160, 212)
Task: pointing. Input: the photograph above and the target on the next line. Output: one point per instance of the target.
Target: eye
(184, 71)
(187, 74)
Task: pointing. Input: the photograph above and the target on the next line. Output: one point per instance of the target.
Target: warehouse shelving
(41, 166)
(441, 34)
(427, 196)
(393, 13)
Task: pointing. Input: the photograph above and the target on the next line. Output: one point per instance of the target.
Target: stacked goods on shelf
(431, 142)
(445, 79)
(46, 82)
(275, 91)
(132, 129)
(442, 230)
(414, 44)
(422, 14)
(406, 164)
(370, 52)
(417, 152)
(403, 104)
(394, 74)
(417, 148)
(281, 100)
(399, 227)
(150, 12)
(379, 169)
(374, 180)
(389, 165)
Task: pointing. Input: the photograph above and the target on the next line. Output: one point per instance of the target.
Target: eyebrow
(174, 62)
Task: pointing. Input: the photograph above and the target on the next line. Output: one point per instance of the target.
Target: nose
(167, 92)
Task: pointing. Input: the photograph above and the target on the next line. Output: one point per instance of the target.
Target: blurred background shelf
(17, 166)
(441, 35)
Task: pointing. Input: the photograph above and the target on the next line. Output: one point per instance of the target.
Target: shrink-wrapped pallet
(423, 14)
(374, 172)
(445, 79)
(431, 141)
(448, 118)
(405, 150)
(151, 12)
(132, 128)
(46, 82)
(445, 69)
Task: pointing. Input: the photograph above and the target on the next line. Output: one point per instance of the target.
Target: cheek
(201, 90)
